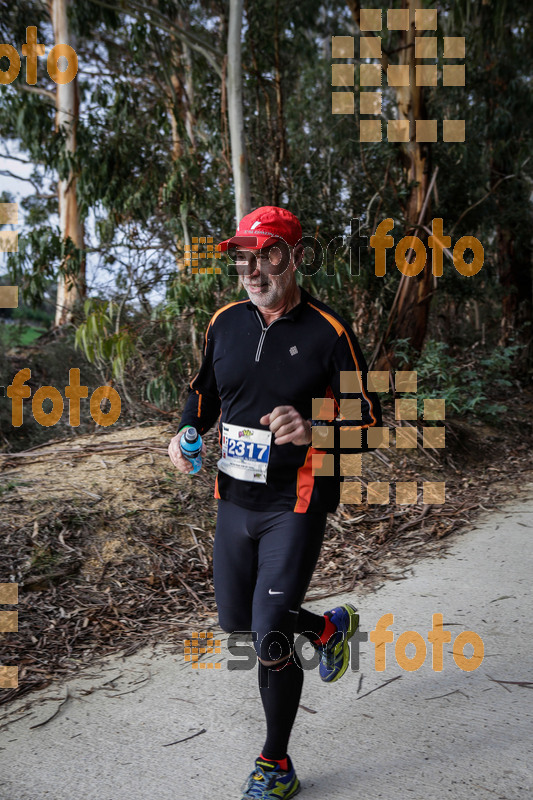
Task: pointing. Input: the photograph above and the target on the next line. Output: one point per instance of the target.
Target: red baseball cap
(263, 227)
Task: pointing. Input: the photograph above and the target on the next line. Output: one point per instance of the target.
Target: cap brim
(250, 242)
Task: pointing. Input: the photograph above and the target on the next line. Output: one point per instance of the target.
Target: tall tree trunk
(239, 160)
(408, 318)
(71, 289)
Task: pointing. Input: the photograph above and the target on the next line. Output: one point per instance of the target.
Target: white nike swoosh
(271, 592)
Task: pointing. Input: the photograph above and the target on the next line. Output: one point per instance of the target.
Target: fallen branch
(378, 687)
(40, 724)
(169, 744)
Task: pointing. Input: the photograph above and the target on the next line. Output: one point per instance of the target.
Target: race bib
(245, 453)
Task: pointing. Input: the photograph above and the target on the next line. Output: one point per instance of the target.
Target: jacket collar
(295, 312)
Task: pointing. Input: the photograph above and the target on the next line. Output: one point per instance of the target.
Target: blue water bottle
(191, 448)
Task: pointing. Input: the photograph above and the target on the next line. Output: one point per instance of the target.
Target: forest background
(170, 129)
(182, 117)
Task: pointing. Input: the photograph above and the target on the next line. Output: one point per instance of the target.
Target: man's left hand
(288, 425)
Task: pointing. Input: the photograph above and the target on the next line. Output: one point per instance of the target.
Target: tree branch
(482, 199)
(20, 87)
(158, 20)
(10, 174)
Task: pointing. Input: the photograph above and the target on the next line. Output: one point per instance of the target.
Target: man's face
(258, 269)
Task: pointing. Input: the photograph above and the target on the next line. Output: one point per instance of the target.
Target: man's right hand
(180, 462)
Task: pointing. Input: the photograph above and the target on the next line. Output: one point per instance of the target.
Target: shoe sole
(352, 627)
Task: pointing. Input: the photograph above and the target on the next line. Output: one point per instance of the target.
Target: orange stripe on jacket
(305, 481)
(342, 330)
(213, 318)
(220, 310)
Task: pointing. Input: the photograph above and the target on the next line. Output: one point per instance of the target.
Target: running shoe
(269, 782)
(335, 655)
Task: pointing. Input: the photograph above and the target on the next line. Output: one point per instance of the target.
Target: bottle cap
(191, 435)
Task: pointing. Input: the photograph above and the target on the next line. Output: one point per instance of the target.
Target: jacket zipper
(263, 334)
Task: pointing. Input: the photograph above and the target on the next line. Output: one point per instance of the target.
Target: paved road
(425, 736)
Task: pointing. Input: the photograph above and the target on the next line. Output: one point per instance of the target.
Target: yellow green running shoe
(269, 782)
(335, 655)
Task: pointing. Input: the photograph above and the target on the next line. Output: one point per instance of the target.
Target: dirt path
(150, 724)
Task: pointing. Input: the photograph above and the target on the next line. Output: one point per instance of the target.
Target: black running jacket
(248, 369)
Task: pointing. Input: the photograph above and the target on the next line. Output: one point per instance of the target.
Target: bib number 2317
(245, 453)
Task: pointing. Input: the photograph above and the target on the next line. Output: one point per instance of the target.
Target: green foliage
(463, 384)
(153, 169)
(101, 344)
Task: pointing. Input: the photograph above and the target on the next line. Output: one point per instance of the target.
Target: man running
(265, 360)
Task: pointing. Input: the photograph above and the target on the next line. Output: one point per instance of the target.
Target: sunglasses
(272, 260)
